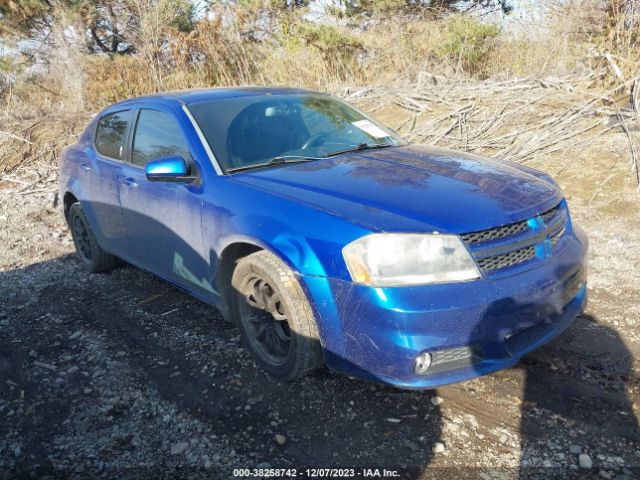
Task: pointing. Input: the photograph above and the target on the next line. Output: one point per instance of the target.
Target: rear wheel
(274, 316)
(90, 254)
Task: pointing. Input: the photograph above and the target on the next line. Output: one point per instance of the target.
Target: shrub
(329, 40)
(468, 43)
(313, 55)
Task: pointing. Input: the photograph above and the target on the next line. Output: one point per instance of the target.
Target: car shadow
(575, 396)
(575, 386)
(329, 420)
(576, 401)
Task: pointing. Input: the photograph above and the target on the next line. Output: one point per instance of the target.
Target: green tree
(372, 7)
(110, 26)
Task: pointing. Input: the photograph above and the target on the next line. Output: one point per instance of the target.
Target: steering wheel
(314, 140)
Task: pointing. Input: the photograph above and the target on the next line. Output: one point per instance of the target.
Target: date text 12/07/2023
(332, 473)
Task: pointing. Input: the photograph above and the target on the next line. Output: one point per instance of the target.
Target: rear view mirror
(282, 110)
(168, 169)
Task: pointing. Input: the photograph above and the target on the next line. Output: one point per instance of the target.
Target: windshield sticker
(370, 128)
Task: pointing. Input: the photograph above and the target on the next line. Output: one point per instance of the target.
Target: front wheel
(274, 316)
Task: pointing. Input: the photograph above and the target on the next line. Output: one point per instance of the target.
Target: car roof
(209, 94)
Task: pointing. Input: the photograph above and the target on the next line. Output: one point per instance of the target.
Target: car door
(99, 175)
(163, 219)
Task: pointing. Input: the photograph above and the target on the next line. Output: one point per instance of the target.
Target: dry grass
(527, 121)
(496, 93)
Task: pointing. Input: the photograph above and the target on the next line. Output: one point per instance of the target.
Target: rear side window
(157, 135)
(111, 134)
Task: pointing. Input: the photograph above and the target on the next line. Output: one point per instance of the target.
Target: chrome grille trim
(555, 238)
(550, 214)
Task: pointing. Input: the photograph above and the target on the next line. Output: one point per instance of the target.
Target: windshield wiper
(281, 160)
(359, 147)
(286, 159)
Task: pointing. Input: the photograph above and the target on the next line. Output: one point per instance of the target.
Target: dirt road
(120, 374)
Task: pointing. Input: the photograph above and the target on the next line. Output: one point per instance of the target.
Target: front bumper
(376, 333)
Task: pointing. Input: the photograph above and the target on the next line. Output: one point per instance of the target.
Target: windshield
(252, 130)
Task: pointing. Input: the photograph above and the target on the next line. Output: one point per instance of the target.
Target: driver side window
(157, 135)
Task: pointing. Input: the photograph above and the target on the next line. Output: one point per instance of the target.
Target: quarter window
(157, 135)
(111, 134)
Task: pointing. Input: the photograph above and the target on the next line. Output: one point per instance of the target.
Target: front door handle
(129, 182)
(85, 167)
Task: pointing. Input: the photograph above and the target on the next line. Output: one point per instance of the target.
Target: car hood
(413, 188)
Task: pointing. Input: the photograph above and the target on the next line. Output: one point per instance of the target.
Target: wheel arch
(240, 247)
(67, 200)
(224, 270)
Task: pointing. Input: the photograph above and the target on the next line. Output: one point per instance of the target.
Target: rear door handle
(85, 167)
(129, 182)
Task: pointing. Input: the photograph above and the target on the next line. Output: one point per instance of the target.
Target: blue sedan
(325, 237)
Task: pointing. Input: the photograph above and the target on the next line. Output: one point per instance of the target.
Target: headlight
(394, 259)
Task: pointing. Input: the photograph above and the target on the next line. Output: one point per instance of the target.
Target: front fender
(281, 240)
(308, 240)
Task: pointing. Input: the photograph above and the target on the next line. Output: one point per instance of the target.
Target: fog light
(423, 362)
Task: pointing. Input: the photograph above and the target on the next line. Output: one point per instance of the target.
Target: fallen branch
(9, 134)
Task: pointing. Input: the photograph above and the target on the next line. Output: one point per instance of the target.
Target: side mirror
(168, 169)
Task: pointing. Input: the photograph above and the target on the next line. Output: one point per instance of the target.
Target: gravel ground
(121, 375)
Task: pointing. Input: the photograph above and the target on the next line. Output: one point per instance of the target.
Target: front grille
(508, 230)
(514, 244)
(494, 233)
(507, 259)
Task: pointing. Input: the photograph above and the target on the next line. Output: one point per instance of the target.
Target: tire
(270, 306)
(92, 257)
